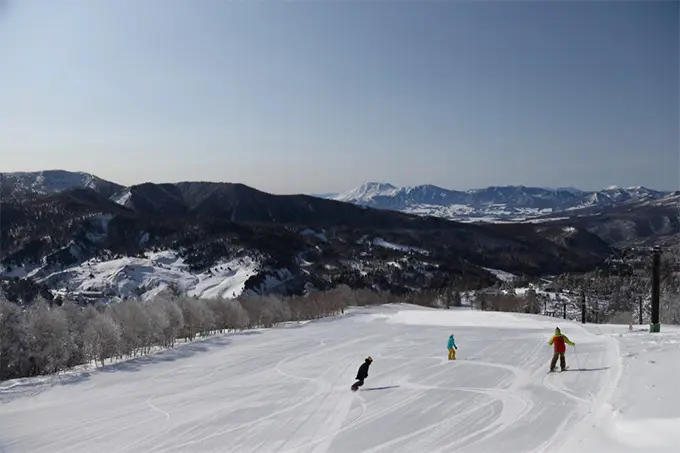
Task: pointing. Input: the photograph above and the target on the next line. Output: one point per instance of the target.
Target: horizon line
(332, 193)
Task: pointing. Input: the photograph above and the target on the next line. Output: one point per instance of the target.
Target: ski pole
(578, 362)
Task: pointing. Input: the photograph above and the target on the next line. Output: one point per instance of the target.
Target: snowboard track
(494, 390)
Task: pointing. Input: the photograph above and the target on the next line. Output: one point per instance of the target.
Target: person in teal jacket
(451, 346)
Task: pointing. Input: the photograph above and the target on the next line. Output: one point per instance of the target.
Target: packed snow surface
(287, 390)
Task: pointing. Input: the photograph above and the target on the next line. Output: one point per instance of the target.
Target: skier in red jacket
(560, 342)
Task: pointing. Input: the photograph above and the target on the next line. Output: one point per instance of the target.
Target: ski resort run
(287, 389)
(145, 277)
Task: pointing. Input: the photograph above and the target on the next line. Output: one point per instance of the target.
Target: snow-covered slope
(146, 277)
(380, 242)
(123, 198)
(226, 393)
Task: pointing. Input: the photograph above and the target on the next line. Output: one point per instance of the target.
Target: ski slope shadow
(588, 369)
(180, 352)
(35, 385)
(379, 388)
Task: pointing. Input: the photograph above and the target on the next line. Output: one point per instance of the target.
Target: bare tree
(338, 299)
(220, 313)
(14, 342)
(134, 325)
(158, 323)
(51, 344)
(207, 318)
(253, 307)
(194, 313)
(279, 311)
(237, 317)
(532, 304)
(102, 337)
(175, 321)
(505, 302)
(457, 299)
(45, 338)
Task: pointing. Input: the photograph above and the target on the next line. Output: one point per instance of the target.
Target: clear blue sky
(321, 96)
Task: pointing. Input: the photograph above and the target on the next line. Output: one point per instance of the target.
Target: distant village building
(551, 287)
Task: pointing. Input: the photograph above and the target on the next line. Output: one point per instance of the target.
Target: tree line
(46, 338)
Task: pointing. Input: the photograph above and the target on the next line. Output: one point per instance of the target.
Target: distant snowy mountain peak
(367, 192)
(490, 204)
(53, 181)
(427, 190)
(494, 203)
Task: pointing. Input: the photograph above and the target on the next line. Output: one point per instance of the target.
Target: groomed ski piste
(287, 389)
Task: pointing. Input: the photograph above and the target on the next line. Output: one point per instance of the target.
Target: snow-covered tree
(193, 313)
(102, 337)
(134, 325)
(237, 316)
(275, 309)
(51, 344)
(158, 323)
(14, 342)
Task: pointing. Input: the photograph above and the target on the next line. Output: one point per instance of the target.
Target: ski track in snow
(287, 391)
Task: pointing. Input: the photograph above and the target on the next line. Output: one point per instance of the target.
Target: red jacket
(560, 342)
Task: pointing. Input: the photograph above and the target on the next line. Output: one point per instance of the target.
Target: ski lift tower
(655, 325)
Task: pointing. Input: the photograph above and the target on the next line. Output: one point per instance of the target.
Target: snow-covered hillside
(287, 390)
(146, 277)
(380, 242)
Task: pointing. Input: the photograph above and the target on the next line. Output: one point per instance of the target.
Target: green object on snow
(655, 328)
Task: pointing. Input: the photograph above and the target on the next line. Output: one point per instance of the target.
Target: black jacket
(363, 370)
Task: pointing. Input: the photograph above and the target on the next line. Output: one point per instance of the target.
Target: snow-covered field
(487, 214)
(287, 390)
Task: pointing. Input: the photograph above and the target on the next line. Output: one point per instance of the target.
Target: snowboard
(560, 371)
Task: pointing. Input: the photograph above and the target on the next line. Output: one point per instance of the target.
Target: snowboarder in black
(362, 373)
